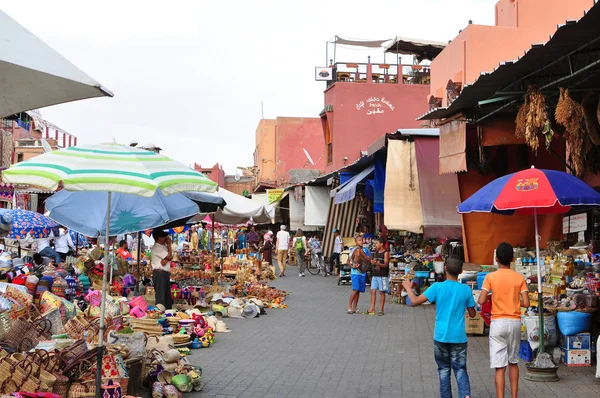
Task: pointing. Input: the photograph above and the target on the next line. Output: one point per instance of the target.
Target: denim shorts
(359, 282)
(379, 283)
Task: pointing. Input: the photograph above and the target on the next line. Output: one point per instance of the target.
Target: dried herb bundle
(532, 119)
(569, 114)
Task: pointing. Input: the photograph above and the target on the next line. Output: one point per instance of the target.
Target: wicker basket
(82, 389)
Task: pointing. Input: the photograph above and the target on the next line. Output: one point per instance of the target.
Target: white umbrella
(33, 75)
(240, 209)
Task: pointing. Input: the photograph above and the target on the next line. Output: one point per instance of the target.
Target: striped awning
(343, 217)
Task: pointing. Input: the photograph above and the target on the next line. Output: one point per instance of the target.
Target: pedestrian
(267, 249)
(162, 254)
(194, 240)
(299, 245)
(450, 336)
(64, 245)
(44, 249)
(359, 260)
(253, 239)
(337, 250)
(283, 245)
(381, 269)
(508, 293)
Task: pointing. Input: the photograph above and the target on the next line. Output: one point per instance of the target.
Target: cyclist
(316, 254)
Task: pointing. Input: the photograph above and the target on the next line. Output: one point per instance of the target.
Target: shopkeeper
(162, 255)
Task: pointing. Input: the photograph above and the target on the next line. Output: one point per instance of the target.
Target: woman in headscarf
(267, 250)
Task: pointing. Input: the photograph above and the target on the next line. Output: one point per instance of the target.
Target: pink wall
(354, 129)
(215, 173)
(291, 135)
(480, 48)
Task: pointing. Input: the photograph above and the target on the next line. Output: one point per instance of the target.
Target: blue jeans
(52, 254)
(452, 356)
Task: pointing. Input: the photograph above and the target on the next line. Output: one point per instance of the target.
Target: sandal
(368, 313)
(349, 312)
(380, 313)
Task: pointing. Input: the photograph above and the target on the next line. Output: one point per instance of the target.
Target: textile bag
(162, 343)
(533, 331)
(19, 295)
(365, 265)
(135, 342)
(54, 317)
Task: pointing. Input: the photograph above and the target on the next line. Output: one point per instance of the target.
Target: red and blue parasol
(546, 191)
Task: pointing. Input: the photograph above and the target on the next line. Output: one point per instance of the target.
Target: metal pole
(539, 277)
(212, 242)
(103, 304)
(139, 257)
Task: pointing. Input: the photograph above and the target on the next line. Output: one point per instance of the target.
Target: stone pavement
(314, 349)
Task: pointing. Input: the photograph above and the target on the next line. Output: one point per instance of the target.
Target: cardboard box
(577, 357)
(579, 341)
(474, 325)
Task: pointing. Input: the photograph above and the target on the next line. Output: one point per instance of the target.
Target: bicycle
(317, 264)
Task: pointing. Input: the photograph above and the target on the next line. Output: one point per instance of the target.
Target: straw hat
(221, 327)
(234, 312)
(250, 311)
(236, 304)
(258, 302)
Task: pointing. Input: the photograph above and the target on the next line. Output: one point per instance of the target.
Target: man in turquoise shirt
(450, 336)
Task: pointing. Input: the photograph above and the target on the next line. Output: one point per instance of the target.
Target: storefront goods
(574, 322)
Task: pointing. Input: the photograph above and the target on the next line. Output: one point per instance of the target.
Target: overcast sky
(189, 76)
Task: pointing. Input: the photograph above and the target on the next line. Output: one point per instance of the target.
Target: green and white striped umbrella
(108, 167)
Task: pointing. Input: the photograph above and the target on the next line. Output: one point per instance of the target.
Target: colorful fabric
(108, 167)
(25, 222)
(7, 192)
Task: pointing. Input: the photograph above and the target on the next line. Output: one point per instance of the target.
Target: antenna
(308, 156)
(46, 146)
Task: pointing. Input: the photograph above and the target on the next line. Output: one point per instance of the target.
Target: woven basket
(5, 323)
(61, 387)
(82, 389)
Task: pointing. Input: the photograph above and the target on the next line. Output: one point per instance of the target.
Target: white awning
(36, 76)
(348, 190)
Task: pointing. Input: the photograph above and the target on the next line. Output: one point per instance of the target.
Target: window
(328, 143)
(19, 157)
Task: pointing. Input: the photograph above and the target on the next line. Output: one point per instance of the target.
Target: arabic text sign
(375, 105)
(576, 223)
(274, 195)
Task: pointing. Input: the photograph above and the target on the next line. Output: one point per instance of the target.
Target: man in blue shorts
(359, 279)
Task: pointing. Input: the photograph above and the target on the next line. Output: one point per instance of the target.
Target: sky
(190, 76)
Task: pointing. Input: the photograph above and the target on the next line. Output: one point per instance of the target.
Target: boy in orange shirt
(509, 293)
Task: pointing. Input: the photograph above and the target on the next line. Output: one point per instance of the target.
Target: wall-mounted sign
(375, 105)
(323, 74)
(576, 223)
(274, 195)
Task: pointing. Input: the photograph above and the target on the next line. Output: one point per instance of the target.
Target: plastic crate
(525, 352)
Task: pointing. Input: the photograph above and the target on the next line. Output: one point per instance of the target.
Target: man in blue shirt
(359, 278)
(450, 336)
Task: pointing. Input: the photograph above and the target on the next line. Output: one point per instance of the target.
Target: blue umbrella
(79, 239)
(18, 224)
(85, 212)
(533, 191)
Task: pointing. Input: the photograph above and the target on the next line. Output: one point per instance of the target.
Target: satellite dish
(308, 156)
(237, 177)
(46, 146)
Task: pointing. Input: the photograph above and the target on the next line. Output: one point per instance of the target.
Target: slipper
(380, 313)
(368, 313)
(349, 312)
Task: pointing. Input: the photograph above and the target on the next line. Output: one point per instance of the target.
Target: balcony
(380, 73)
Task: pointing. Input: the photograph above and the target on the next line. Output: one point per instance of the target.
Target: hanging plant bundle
(532, 119)
(569, 114)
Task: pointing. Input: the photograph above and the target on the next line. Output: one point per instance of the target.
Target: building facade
(215, 173)
(284, 144)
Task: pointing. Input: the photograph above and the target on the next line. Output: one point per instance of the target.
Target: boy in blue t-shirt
(450, 336)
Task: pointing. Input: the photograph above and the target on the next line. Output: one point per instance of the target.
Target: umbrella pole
(539, 279)
(212, 242)
(103, 304)
(139, 256)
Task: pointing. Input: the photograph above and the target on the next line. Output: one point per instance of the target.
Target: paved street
(314, 349)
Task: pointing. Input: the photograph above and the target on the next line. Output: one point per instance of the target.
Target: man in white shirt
(337, 250)
(43, 247)
(162, 255)
(63, 244)
(283, 245)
